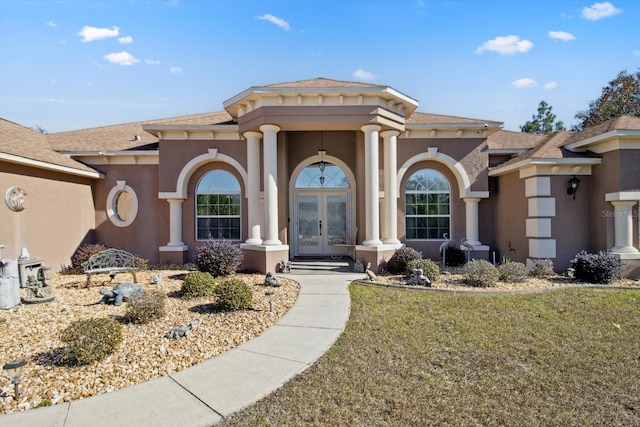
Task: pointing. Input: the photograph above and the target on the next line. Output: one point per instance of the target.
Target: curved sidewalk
(203, 394)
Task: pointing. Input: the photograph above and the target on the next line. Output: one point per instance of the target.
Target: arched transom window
(427, 205)
(218, 206)
(322, 175)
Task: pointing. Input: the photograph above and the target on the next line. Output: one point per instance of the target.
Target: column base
(376, 255)
(372, 242)
(173, 254)
(263, 258)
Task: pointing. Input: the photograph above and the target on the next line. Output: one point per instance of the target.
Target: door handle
(320, 227)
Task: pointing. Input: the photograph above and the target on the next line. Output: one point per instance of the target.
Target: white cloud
(125, 40)
(90, 34)
(54, 100)
(122, 58)
(363, 75)
(507, 45)
(525, 83)
(151, 62)
(275, 20)
(51, 24)
(550, 85)
(599, 11)
(175, 70)
(561, 35)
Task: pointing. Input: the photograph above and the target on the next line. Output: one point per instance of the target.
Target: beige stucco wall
(511, 211)
(150, 229)
(58, 218)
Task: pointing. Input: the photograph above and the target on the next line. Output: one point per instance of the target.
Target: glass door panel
(336, 219)
(308, 224)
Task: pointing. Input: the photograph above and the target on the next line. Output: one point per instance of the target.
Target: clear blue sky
(75, 64)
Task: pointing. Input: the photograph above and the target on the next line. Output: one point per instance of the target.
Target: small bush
(197, 284)
(399, 262)
(542, 267)
(454, 257)
(596, 268)
(141, 263)
(90, 340)
(83, 253)
(429, 268)
(219, 258)
(144, 307)
(513, 272)
(234, 294)
(481, 273)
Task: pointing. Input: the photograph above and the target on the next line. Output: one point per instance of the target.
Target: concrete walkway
(203, 394)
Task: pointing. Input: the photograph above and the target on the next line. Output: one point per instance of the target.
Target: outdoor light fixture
(15, 369)
(573, 186)
(322, 164)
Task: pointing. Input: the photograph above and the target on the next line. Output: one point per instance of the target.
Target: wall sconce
(322, 164)
(15, 369)
(573, 186)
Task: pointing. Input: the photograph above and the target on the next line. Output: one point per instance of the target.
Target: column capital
(268, 127)
(370, 128)
(622, 203)
(389, 133)
(471, 199)
(252, 134)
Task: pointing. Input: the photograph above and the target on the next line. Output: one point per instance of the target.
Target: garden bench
(110, 261)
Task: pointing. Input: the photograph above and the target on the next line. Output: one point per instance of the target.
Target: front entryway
(320, 222)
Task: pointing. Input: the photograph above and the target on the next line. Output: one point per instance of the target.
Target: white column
(175, 222)
(270, 158)
(390, 231)
(471, 216)
(623, 227)
(372, 188)
(253, 187)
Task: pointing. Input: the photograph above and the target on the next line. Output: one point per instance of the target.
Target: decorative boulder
(120, 293)
(271, 280)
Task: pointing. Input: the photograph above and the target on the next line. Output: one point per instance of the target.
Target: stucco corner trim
(623, 196)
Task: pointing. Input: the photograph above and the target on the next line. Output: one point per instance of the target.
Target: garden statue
(271, 280)
(39, 289)
(182, 331)
(284, 266)
(418, 278)
(120, 293)
(370, 274)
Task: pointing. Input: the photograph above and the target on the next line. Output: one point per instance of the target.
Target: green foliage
(542, 267)
(143, 307)
(83, 253)
(513, 272)
(543, 123)
(219, 258)
(481, 273)
(429, 268)
(596, 268)
(90, 340)
(399, 262)
(43, 403)
(620, 97)
(234, 294)
(454, 257)
(197, 284)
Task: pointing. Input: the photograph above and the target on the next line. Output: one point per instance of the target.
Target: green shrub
(513, 272)
(481, 273)
(197, 284)
(143, 307)
(596, 268)
(219, 258)
(399, 262)
(234, 294)
(542, 267)
(454, 257)
(43, 403)
(90, 340)
(429, 268)
(82, 254)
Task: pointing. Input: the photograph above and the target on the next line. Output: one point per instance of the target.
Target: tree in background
(620, 97)
(544, 122)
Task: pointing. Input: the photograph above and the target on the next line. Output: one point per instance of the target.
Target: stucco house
(317, 168)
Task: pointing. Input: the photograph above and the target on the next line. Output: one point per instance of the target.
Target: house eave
(582, 145)
(10, 158)
(543, 162)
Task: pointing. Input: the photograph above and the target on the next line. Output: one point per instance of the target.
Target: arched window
(322, 175)
(427, 205)
(218, 206)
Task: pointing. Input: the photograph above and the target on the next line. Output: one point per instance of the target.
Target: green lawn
(560, 358)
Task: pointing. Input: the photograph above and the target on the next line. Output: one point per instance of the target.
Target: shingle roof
(320, 82)
(426, 118)
(505, 139)
(29, 144)
(123, 137)
(619, 123)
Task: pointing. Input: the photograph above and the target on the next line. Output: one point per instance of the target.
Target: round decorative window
(16, 199)
(122, 204)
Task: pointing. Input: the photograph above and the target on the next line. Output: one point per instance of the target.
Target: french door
(321, 221)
